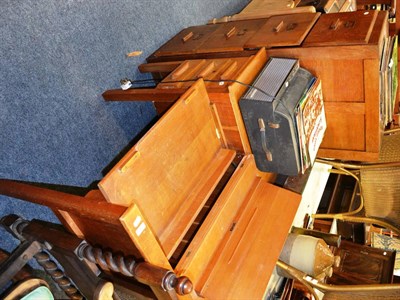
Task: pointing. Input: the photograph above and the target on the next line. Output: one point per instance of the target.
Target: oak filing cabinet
(342, 49)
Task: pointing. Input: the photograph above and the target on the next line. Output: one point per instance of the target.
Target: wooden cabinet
(362, 265)
(348, 65)
(344, 51)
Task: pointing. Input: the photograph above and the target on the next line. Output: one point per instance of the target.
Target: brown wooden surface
(282, 31)
(59, 200)
(213, 71)
(159, 67)
(361, 264)
(187, 41)
(92, 217)
(231, 36)
(342, 29)
(172, 170)
(251, 218)
(350, 83)
(257, 5)
(263, 13)
(148, 94)
(226, 80)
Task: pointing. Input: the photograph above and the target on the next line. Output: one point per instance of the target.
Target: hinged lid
(173, 169)
(347, 28)
(240, 240)
(285, 30)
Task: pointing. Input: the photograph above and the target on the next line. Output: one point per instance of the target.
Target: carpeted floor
(56, 59)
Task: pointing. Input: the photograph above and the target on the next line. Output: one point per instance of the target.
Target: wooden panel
(285, 30)
(342, 80)
(187, 41)
(98, 232)
(231, 36)
(237, 89)
(151, 94)
(261, 217)
(162, 67)
(347, 28)
(139, 231)
(374, 125)
(172, 170)
(198, 256)
(227, 256)
(348, 154)
(345, 129)
(327, 52)
(381, 28)
(257, 5)
(363, 265)
(263, 13)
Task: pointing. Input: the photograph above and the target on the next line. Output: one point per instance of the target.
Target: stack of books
(388, 79)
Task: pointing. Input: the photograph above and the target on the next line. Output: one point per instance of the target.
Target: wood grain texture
(227, 255)
(182, 44)
(374, 127)
(350, 83)
(172, 170)
(344, 28)
(231, 36)
(282, 31)
(240, 267)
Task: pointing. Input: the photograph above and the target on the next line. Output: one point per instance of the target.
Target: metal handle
(261, 125)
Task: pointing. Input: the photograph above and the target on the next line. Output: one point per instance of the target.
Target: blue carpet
(56, 59)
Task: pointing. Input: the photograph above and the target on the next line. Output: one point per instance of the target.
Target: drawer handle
(229, 71)
(278, 27)
(180, 70)
(207, 70)
(335, 24)
(187, 37)
(230, 33)
(268, 153)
